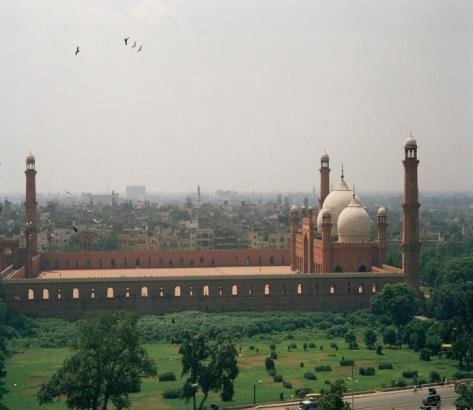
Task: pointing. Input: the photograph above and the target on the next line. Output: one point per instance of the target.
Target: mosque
(332, 264)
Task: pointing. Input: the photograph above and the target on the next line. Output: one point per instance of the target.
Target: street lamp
(194, 389)
(254, 391)
(352, 389)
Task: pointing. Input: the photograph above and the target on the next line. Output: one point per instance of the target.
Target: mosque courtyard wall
(72, 298)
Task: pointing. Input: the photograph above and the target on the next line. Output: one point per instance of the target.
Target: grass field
(29, 369)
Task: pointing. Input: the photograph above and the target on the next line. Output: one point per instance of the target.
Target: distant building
(101, 199)
(136, 192)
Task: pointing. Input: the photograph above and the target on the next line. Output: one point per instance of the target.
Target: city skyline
(235, 96)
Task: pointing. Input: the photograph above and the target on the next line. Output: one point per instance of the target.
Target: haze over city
(235, 95)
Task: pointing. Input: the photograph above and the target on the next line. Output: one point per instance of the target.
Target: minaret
(324, 178)
(198, 194)
(31, 205)
(294, 221)
(410, 244)
(326, 241)
(382, 237)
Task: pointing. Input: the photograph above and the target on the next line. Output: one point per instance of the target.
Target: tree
(395, 302)
(462, 349)
(333, 398)
(465, 396)
(370, 338)
(209, 365)
(3, 373)
(389, 336)
(107, 365)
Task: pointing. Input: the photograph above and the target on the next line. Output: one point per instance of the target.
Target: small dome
(410, 142)
(30, 159)
(354, 223)
(336, 201)
(324, 156)
(294, 208)
(381, 211)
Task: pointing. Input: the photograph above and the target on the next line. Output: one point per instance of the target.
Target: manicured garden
(32, 366)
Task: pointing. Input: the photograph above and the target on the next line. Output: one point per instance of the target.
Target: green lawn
(29, 369)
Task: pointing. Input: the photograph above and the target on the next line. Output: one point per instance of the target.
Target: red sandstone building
(332, 264)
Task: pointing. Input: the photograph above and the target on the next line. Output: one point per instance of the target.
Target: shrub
(286, 384)
(302, 391)
(425, 355)
(252, 348)
(272, 372)
(379, 349)
(347, 362)
(385, 366)
(398, 383)
(323, 368)
(293, 346)
(301, 364)
(462, 375)
(312, 345)
(273, 355)
(435, 377)
(305, 347)
(174, 393)
(269, 363)
(272, 346)
(367, 371)
(334, 345)
(167, 377)
(310, 376)
(277, 378)
(350, 337)
(409, 374)
(353, 346)
(289, 336)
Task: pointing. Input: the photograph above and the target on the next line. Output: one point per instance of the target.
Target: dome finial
(343, 176)
(353, 191)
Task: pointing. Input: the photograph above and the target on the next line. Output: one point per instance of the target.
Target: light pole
(194, 389)
(353, 387)
(254, 391)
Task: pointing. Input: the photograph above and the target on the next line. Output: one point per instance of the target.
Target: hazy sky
(235, 94)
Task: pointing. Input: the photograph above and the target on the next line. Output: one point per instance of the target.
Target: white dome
(410, 142)
(354, 223)
(382, 211)
(294, 208)
(335, 202)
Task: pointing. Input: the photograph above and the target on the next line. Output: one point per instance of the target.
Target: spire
(343, 176)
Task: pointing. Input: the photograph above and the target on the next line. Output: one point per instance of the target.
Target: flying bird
(141, 47)
(77, 50)
(126, 40)
(134, 45)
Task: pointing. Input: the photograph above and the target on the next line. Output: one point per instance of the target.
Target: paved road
(397, 400)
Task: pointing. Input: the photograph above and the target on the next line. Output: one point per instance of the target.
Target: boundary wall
(72, 298)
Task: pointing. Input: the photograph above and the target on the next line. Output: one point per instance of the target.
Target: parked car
(308, 405)
(431, 400)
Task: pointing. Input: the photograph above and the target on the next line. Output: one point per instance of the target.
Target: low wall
(72, 298)
(164, 259)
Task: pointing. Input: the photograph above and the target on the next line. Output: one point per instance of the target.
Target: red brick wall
(283, 295)
(165, 259)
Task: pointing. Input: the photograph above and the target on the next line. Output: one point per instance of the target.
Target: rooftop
(164, 272)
